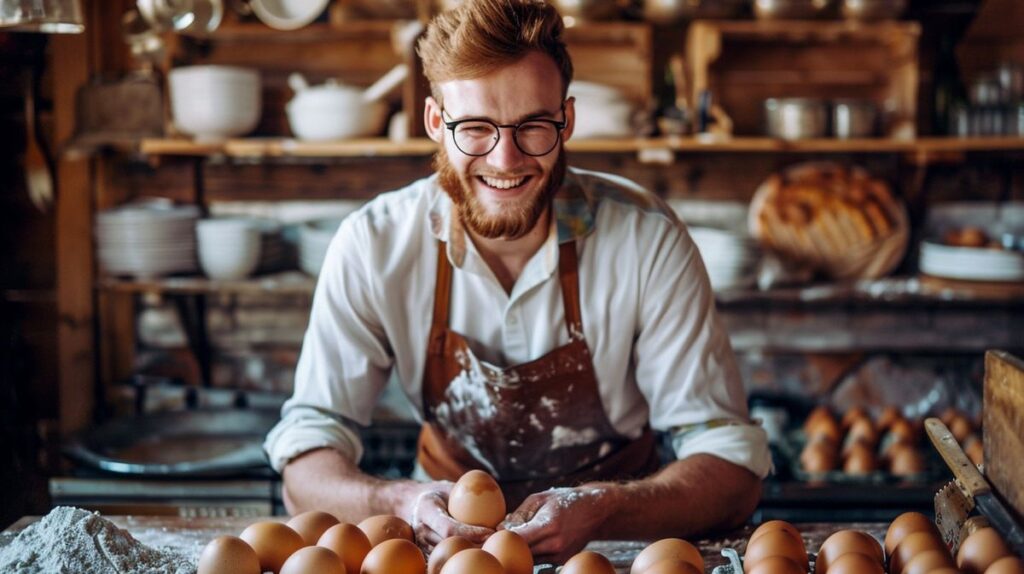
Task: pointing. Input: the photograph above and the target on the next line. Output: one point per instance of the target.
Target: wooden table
(189, 535)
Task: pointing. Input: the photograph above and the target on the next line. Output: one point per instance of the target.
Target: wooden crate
(744, 62)
(1003, 425)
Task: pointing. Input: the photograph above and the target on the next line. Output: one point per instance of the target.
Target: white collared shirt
(660, 353)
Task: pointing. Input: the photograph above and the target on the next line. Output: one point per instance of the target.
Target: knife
(974, 485)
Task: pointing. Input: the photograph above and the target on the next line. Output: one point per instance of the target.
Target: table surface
(190, 535)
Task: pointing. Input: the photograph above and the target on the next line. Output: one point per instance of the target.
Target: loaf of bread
(836, 219)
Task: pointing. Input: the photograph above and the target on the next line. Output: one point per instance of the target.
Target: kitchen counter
(190, 535)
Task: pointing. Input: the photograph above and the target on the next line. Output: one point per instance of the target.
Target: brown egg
(775, 543)
(843, 542)
(946, 570)
(472, 561)
(819, 456)
(913, 544)
(445, 550)
(348, 542)
(862, 431)
(386, 527)
(588, 562)
(511, 550)
(902, 430)
(825, 428)
(775, 565)
(395, 556)
(776, 525)
(1006, 565)
(860, 460)
(228, 555)
(948, 415)
(889, 414)
(855, 563)
(312, 525)
(665, 549)
(980, 550)
(273, 542)
(673, 566)
(961, 427)
(903, 525)
(313, 560)
(906, 460)
(927, 561)
(819, 412)
(477, 499)
(974, 449)
(853, 414)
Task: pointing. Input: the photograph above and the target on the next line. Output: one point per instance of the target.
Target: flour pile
(74, 541)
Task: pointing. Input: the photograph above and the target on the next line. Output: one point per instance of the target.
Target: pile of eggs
(775, 547)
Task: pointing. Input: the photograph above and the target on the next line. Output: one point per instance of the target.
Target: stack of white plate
(731, 258)
(971, 263)
(314, 237)
(147, 240)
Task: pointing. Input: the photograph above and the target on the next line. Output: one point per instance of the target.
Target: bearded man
(543, 320)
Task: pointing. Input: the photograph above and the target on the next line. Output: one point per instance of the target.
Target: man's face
(504, 193)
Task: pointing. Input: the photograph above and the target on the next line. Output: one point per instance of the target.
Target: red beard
(516, 220)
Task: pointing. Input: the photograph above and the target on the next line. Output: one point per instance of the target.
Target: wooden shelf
(284, 283)
(370, 147)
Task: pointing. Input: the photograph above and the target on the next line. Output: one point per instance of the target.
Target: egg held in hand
(477, 499)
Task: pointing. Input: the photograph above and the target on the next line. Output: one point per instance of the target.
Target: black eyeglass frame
(559, 127)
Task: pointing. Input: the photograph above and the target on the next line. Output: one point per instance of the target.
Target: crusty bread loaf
(837, 219)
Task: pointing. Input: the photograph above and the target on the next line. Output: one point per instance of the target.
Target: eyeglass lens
(480, 137)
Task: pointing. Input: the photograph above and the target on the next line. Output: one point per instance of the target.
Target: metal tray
(186, 443)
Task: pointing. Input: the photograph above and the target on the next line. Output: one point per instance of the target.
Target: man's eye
(475, 129)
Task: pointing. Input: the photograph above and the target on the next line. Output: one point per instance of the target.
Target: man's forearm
(699, 494)
(325, 480)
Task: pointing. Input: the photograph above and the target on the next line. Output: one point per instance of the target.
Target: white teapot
(332, 110)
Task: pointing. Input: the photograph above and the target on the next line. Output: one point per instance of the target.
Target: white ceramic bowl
(287, 14)
(228, 248)
(334, 111)
(215, 102)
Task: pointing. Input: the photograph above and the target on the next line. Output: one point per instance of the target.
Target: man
(542, 319)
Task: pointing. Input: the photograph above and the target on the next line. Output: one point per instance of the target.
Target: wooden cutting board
(1003, 423)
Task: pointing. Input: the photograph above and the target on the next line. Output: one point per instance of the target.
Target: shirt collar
(573, 206)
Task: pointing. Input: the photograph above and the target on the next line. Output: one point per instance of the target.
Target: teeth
(502, 183)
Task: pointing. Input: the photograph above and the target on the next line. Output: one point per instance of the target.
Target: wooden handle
(963, 469)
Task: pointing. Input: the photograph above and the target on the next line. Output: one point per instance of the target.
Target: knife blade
(974, 485)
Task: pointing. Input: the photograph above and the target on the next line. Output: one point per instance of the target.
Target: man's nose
(506, 153)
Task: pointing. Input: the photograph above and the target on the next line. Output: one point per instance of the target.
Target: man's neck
(508, 257)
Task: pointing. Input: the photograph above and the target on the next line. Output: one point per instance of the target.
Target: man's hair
(481, 36)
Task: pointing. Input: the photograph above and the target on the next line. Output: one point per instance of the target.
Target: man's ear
(432, 120)
(570, 118)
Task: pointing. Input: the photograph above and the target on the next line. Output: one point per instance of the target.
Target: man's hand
(427, 512)
(559, 522)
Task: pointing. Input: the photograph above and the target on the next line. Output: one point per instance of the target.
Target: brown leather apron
(532, 426)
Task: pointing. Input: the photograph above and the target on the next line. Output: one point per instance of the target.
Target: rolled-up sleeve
(345, 360)
(744, 445)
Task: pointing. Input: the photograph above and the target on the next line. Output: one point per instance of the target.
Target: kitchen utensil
(790, 9)
(38, 164)
(287, 14)
(167, 14)
(853, 119)
(215, 102)
(49, 17)
(872, 10)
(974, 486)
(336, 111)
(145, 42)
(588, 9)
(795, 118)
(669, 11)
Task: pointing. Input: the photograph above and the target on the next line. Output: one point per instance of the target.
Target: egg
(886, 418)
(445, 550)
(775, 565)
(927, 561)
(856, 413)
(273, 542)
(664, 549)
(825, 428)
(844, 542)
(860, 460)
(511, 550)
(903, 525)
(980, 550)
(862, 431)
(228, 555)
(974, 449)
(905, 460)
(855, 563)
(588, 562)
(472, 561)
(395, 556)
(913, 544)
(775, 543)
(818, 412)
(961, 427)
(311, 525)
(819, 456)
(386, 527)
(948, 415)
(673, 566)
(477, 499)
(775, 525)
(313, 560)
(348, 542)
(902, 430)
(1006, 565)
(945, 570)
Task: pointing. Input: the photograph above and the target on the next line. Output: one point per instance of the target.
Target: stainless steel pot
(668, 11)
(854, 119)
(869, 10)
(795, 118)
(786, 9)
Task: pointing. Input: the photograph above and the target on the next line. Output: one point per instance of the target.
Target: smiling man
(544, 320)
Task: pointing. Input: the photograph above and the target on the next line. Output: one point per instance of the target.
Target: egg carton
(735, 565)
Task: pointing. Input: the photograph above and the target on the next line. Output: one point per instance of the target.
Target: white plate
(971, 263)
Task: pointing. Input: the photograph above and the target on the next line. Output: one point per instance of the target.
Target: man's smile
(504, 183)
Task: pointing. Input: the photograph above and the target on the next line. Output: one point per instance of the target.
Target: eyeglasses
(478, 137)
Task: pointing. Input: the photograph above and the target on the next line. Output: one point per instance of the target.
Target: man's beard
(518, 216)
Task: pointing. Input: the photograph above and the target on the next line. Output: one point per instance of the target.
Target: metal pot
(869, 10)
(669, 11)
(795, 118)
(786, 9)
(854, 119)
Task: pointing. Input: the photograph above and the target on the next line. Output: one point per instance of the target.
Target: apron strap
(442, 288)
(569, 277)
